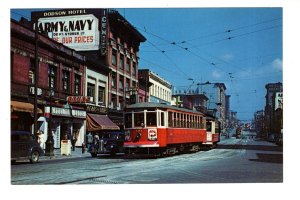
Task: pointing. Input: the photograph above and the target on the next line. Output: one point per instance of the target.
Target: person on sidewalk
(73, 142)
(89, 140)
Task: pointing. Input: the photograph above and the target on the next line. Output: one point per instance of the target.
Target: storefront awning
(22, 107)
(99, 122)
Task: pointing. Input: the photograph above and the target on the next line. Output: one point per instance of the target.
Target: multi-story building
(160, 90)
(106, 38)
(259, 122)
(216, 99)
(57, 72)
(273, 110)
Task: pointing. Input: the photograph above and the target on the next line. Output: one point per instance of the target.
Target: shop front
(22, 115)
(64, 124)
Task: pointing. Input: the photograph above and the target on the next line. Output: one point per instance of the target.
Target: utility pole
(36, 75)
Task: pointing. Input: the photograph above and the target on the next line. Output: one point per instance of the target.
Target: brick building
(60, 73)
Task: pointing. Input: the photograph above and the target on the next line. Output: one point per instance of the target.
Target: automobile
(24, 146)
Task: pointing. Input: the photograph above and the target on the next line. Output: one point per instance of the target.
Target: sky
(253, 57)
(241, 47)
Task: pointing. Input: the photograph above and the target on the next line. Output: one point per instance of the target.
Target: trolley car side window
(151, 118)
(138, 119)
(128, 120)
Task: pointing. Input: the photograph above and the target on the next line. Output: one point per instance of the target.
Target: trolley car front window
(138, 119)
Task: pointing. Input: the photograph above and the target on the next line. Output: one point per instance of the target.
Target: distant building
(273, 109)
(160, 90)
(259, 122)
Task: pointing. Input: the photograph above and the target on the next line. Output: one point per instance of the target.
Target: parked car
(25, 146)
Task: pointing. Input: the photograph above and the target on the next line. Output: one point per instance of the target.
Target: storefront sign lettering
(79, 113)
(78, 99)
(61, 111)
(96, 109)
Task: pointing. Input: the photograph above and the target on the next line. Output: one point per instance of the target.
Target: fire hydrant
(83, 147)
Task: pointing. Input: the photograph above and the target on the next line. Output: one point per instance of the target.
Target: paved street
(233, 161)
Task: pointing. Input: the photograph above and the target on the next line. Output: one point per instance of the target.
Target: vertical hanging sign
(103, 32)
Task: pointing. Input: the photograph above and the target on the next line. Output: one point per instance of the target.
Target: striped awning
(96, 122)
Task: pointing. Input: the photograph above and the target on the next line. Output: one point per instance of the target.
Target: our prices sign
(79, 32)
(152, 134)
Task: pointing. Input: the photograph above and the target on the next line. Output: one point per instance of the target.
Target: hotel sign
(76, 29)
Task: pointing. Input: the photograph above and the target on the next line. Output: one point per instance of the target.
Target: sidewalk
(74, 154)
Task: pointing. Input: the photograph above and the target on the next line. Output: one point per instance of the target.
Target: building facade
(109, 41)
(160, 89)
(58, 73)
(273, 109)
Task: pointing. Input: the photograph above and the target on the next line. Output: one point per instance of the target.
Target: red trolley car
(213, 129)
(160, 129)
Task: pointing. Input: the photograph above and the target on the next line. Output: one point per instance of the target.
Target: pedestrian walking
(73, 141)
(89, 140)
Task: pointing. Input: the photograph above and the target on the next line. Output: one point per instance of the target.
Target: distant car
(25, 146)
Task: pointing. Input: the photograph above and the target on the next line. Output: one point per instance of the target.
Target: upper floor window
(77, 84)
(52, 77)
(91, 91)
(127, 65)
(113, 80)
(66, 80)
(121, 62)
(101, 95)
(114, 57)
(134, 69)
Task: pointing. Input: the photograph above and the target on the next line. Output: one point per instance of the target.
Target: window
(128, 120)
(127, 84)
(127, 65)
(114, 57)
(101, 95)
(170, 119)
(91, 91)
(134, 69)
(138, 119)
(121, 62)
(151, 118)
(77, 84)
(208, 126)
(162, 118)
(113, 80)
(66, 80)
(121, 80)
(52, 77)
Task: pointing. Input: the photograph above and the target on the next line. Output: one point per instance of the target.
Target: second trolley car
(153, 128)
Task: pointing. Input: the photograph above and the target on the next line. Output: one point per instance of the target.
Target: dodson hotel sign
(75, 28)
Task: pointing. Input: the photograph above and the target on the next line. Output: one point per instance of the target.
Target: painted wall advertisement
(79, 32)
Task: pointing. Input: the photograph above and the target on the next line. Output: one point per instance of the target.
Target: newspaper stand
(65, 147)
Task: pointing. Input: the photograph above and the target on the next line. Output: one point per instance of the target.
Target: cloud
(277, 64)
(216, 74)
(227, 57)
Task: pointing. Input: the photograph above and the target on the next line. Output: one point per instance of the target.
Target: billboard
(79, 32)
